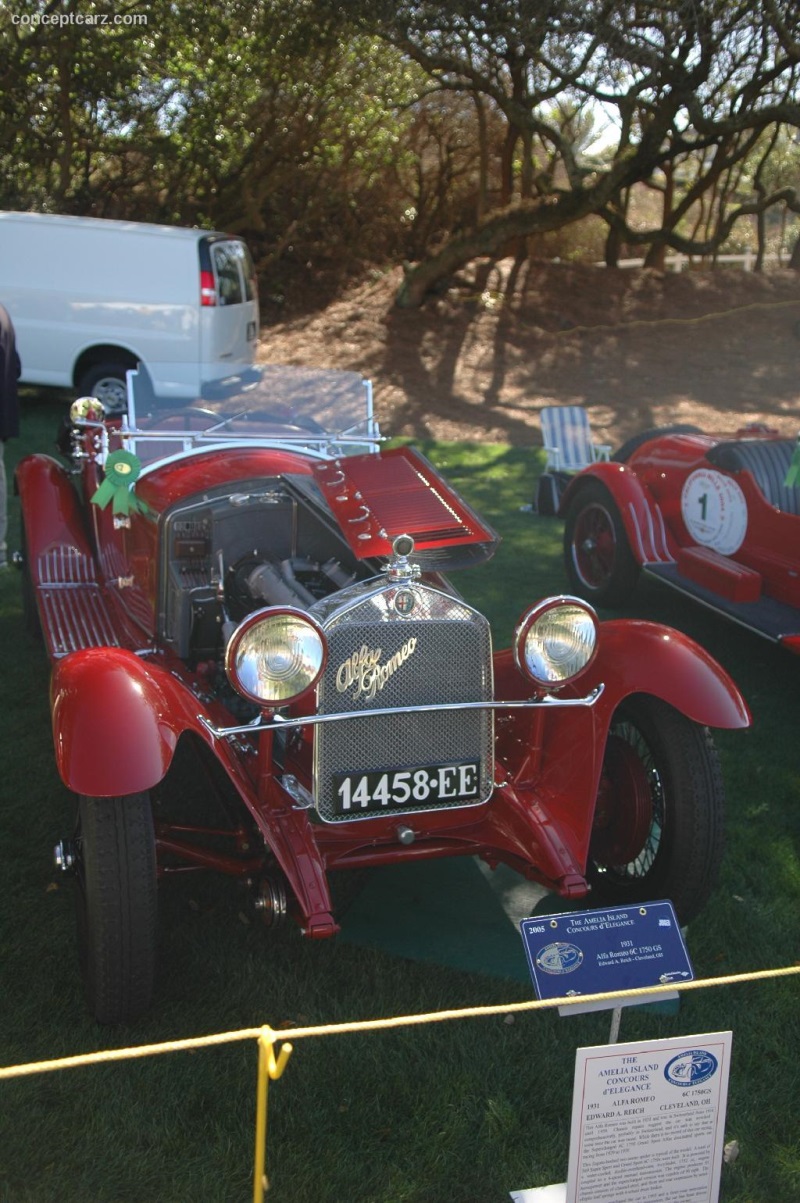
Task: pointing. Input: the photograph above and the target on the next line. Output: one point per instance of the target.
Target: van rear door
(229, 306)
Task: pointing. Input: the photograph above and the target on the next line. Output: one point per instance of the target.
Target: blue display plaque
(592, 952)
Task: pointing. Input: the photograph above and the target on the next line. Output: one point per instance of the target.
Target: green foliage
(254, 117)
(336, 136)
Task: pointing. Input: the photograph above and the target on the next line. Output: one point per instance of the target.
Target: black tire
(597, 556)
(116, 905)
(633, 444)
(107, 381)
(659, 825)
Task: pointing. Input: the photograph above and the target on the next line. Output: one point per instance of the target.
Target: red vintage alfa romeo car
(714, 516)
(253, 580)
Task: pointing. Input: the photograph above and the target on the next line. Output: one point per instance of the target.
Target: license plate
(404, 789)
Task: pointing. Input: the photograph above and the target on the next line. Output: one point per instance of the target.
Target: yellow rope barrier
(271, 1067)
(374, 1025)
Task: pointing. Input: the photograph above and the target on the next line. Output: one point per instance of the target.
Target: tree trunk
(656, 256)
(794, 258)
(483, 158)
(613, 245)
(497, 232)
(507, 166)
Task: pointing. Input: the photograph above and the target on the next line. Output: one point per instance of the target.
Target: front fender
(649, 539)
(116, 721)
(557, 761)
(635, 656)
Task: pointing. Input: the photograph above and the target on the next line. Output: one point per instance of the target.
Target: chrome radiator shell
(418, 646)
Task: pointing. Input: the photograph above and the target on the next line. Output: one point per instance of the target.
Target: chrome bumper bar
(279, 722)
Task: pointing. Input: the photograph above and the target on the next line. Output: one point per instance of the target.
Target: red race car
(716, 517)
(253, 581)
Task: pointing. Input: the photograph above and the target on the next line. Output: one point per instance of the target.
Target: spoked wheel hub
(624, 814)
(594, 546)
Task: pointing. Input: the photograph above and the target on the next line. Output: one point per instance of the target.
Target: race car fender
(51, 509)
(649, 539)
(635, 656)
(556, 762)
(116, 721)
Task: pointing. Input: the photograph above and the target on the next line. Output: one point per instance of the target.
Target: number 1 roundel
(714, 510)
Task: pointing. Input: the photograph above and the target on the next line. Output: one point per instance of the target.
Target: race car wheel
(115, 863)
(658, 826)
(597, 556)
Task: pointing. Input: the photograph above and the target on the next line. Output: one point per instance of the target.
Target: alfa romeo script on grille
(379, 791)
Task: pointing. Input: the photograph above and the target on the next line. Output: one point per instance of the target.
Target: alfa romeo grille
(417, 647)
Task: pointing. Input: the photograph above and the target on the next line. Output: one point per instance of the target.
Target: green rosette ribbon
(793, 475)
(122, 470)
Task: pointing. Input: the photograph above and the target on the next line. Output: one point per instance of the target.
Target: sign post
(648, 1119)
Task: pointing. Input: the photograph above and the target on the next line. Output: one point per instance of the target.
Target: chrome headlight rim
(277, 699)
(531, 617)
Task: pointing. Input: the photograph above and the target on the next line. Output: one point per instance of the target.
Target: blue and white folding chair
(567, 439)
(568, 443)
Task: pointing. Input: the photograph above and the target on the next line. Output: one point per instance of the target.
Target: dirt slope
(638, 349)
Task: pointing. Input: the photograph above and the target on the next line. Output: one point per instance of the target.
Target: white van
(91, 299)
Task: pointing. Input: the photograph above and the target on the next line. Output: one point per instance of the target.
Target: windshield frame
(319, 412)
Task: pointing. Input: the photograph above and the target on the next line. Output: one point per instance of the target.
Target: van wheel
(107, 382)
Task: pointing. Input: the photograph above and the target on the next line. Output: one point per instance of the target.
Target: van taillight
(208, 292)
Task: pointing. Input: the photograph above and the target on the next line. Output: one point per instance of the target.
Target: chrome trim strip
(665, 552)
(637, 527)
(278, 722)
(655, 533)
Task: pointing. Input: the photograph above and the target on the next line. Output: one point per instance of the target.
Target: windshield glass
(321, 411)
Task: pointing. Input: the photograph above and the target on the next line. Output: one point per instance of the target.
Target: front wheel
(659, 822)
(116, 904)
(597, 556)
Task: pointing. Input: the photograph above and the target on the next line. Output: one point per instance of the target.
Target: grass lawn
(464, 1111)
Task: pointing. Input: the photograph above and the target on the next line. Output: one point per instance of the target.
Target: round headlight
(556, 640)
(275, 656)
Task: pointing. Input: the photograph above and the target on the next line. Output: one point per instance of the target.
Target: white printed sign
(714, 509)
(648, 1121)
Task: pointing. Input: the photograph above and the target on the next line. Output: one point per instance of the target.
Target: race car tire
(658, 830)
(627, 449)
(597, 556)
(115, 864)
